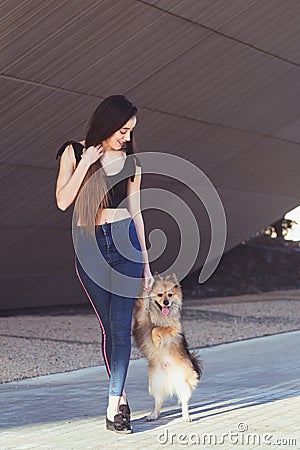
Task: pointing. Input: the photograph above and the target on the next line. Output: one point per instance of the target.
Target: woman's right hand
(92, 154)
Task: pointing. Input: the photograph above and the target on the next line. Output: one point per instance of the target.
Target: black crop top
(116, 184)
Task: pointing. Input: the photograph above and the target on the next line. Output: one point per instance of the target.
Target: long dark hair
(112, 113)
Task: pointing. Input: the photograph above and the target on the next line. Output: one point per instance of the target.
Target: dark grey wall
(215, 82)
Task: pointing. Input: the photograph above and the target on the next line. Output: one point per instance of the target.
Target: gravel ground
(35, 344)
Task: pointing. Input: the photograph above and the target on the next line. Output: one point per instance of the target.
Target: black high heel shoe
(125, 411)
(119, 425)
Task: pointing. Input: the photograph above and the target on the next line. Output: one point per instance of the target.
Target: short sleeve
(136, 162)
(77, 149)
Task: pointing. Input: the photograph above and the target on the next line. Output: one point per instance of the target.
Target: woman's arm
(70, 178)
(135, 212)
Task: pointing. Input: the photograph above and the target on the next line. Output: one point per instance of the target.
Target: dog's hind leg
(158, 401)
(185, 411)
(156, 389)
(184, 394)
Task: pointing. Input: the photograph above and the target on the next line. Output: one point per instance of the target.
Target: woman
(100, 173)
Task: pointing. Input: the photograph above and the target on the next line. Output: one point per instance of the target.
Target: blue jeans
(114, 310)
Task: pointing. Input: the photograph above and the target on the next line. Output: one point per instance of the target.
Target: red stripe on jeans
(101, 324)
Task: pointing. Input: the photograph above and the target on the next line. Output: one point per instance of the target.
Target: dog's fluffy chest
(166, 362)
(166, 365)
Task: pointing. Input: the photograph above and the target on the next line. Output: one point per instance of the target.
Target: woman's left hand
(148, 279)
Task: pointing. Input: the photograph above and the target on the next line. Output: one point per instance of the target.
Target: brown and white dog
(157, 329)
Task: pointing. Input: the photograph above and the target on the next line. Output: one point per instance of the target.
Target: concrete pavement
(248, 398)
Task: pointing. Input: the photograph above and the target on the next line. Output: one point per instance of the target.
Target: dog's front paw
(151, 417)
(156, 337)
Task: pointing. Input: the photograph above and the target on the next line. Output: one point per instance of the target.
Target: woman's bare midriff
(108, 215)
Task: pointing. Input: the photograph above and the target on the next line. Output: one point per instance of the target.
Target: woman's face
(120, 137)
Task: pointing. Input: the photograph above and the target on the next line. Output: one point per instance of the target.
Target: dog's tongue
(165, 310)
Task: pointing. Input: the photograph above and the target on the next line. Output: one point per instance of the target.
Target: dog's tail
(194, 357)
(197, 365)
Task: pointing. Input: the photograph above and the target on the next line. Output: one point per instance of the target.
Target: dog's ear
(174, 276)
(175, 279)
(157, 275)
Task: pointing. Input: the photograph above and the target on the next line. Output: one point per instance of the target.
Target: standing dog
(157, 329)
